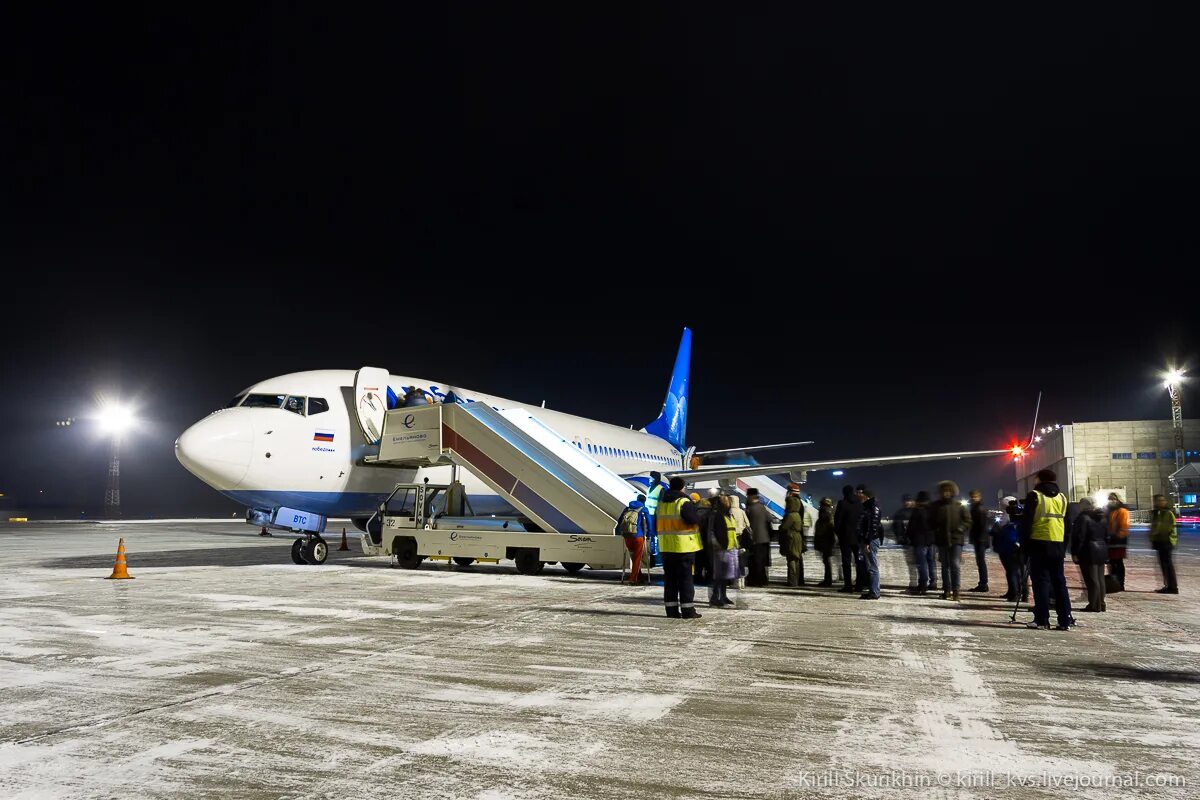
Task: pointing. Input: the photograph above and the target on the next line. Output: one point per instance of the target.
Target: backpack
(629, 523)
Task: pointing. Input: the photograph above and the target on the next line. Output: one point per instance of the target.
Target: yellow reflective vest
(675, 535)
(1049, 518)
(731, 532)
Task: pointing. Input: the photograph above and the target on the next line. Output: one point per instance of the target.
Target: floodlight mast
(1173, 382)
(115, 419)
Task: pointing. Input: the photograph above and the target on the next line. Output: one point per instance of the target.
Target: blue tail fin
(671, 424)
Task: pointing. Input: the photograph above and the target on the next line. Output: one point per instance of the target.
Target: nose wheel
(312, 549)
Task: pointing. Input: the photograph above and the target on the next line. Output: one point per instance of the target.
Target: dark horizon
(888, 234)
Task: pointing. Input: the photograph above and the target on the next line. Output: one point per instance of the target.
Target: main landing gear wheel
(406, 553)
(316, 551)
(297, 552)
(572, 566)
(464, 561)
(528, 562)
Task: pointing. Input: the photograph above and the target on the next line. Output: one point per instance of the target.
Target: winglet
(671, 424)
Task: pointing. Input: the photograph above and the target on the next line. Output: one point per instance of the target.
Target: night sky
(889, 229)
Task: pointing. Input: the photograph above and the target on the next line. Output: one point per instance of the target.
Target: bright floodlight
(1173, 378)
(115, 419)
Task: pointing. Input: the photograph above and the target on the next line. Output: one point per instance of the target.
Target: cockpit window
(235, 402)
(294, 404)
(264, 401)
(317, 405)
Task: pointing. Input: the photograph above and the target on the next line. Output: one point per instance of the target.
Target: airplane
(296, 449)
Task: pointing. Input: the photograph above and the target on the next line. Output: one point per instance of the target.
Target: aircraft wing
(718, 472)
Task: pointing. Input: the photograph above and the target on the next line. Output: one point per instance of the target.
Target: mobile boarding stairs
(569, 502)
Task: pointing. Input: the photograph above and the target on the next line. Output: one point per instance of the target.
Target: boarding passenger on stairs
(979, 538)
(760, 531)
(845, 525)
(1043, 534)
(722, 532)
(678, 524)
(634, 527)
(654, 490)
(792, 543)
(1118, 538)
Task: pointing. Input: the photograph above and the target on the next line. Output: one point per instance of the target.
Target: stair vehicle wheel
(297, 555)
(317, 551)
(572, 566)
(464, 561)
(528, 562)
(405, 549)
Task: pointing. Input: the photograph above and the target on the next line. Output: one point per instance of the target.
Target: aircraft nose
(217, 448)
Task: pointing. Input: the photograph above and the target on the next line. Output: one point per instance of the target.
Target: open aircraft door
(370, 400)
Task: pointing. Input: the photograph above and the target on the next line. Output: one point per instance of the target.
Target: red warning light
(1018, 451)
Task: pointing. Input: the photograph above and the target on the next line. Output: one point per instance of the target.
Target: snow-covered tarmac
(225, 671)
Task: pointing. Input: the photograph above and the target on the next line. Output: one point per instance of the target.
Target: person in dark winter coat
(870, 534)
(1006, 541)
(920, 537)
(704, 559)
(845, 525)
(1043, 532)
(1089, 549)
(950, 522)
(792, 543)
(824, 538)
(760, 531)
(900, 520)
(980, 529)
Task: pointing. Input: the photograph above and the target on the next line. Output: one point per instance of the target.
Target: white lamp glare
(115, 419)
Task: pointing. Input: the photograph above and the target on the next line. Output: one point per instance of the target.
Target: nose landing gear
(312, 549)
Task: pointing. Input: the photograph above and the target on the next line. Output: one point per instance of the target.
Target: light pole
(114, 419)
(1173, 382)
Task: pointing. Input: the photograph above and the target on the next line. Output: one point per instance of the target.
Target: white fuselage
(274, 447)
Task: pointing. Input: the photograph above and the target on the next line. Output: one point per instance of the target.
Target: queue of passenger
(712, 540)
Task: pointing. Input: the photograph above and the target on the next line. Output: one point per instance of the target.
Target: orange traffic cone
(344, 545)
(119, 570)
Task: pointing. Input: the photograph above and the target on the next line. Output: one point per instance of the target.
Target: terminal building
(1093, 458)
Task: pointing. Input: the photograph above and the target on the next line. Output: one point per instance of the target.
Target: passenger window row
(617, 452)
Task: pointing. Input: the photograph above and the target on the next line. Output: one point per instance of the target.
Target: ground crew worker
(653, 492)
(634, 527)
(1163, 538)
(1043, 540)
(678, 525)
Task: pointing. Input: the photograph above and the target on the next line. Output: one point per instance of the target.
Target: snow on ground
(225, 671)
